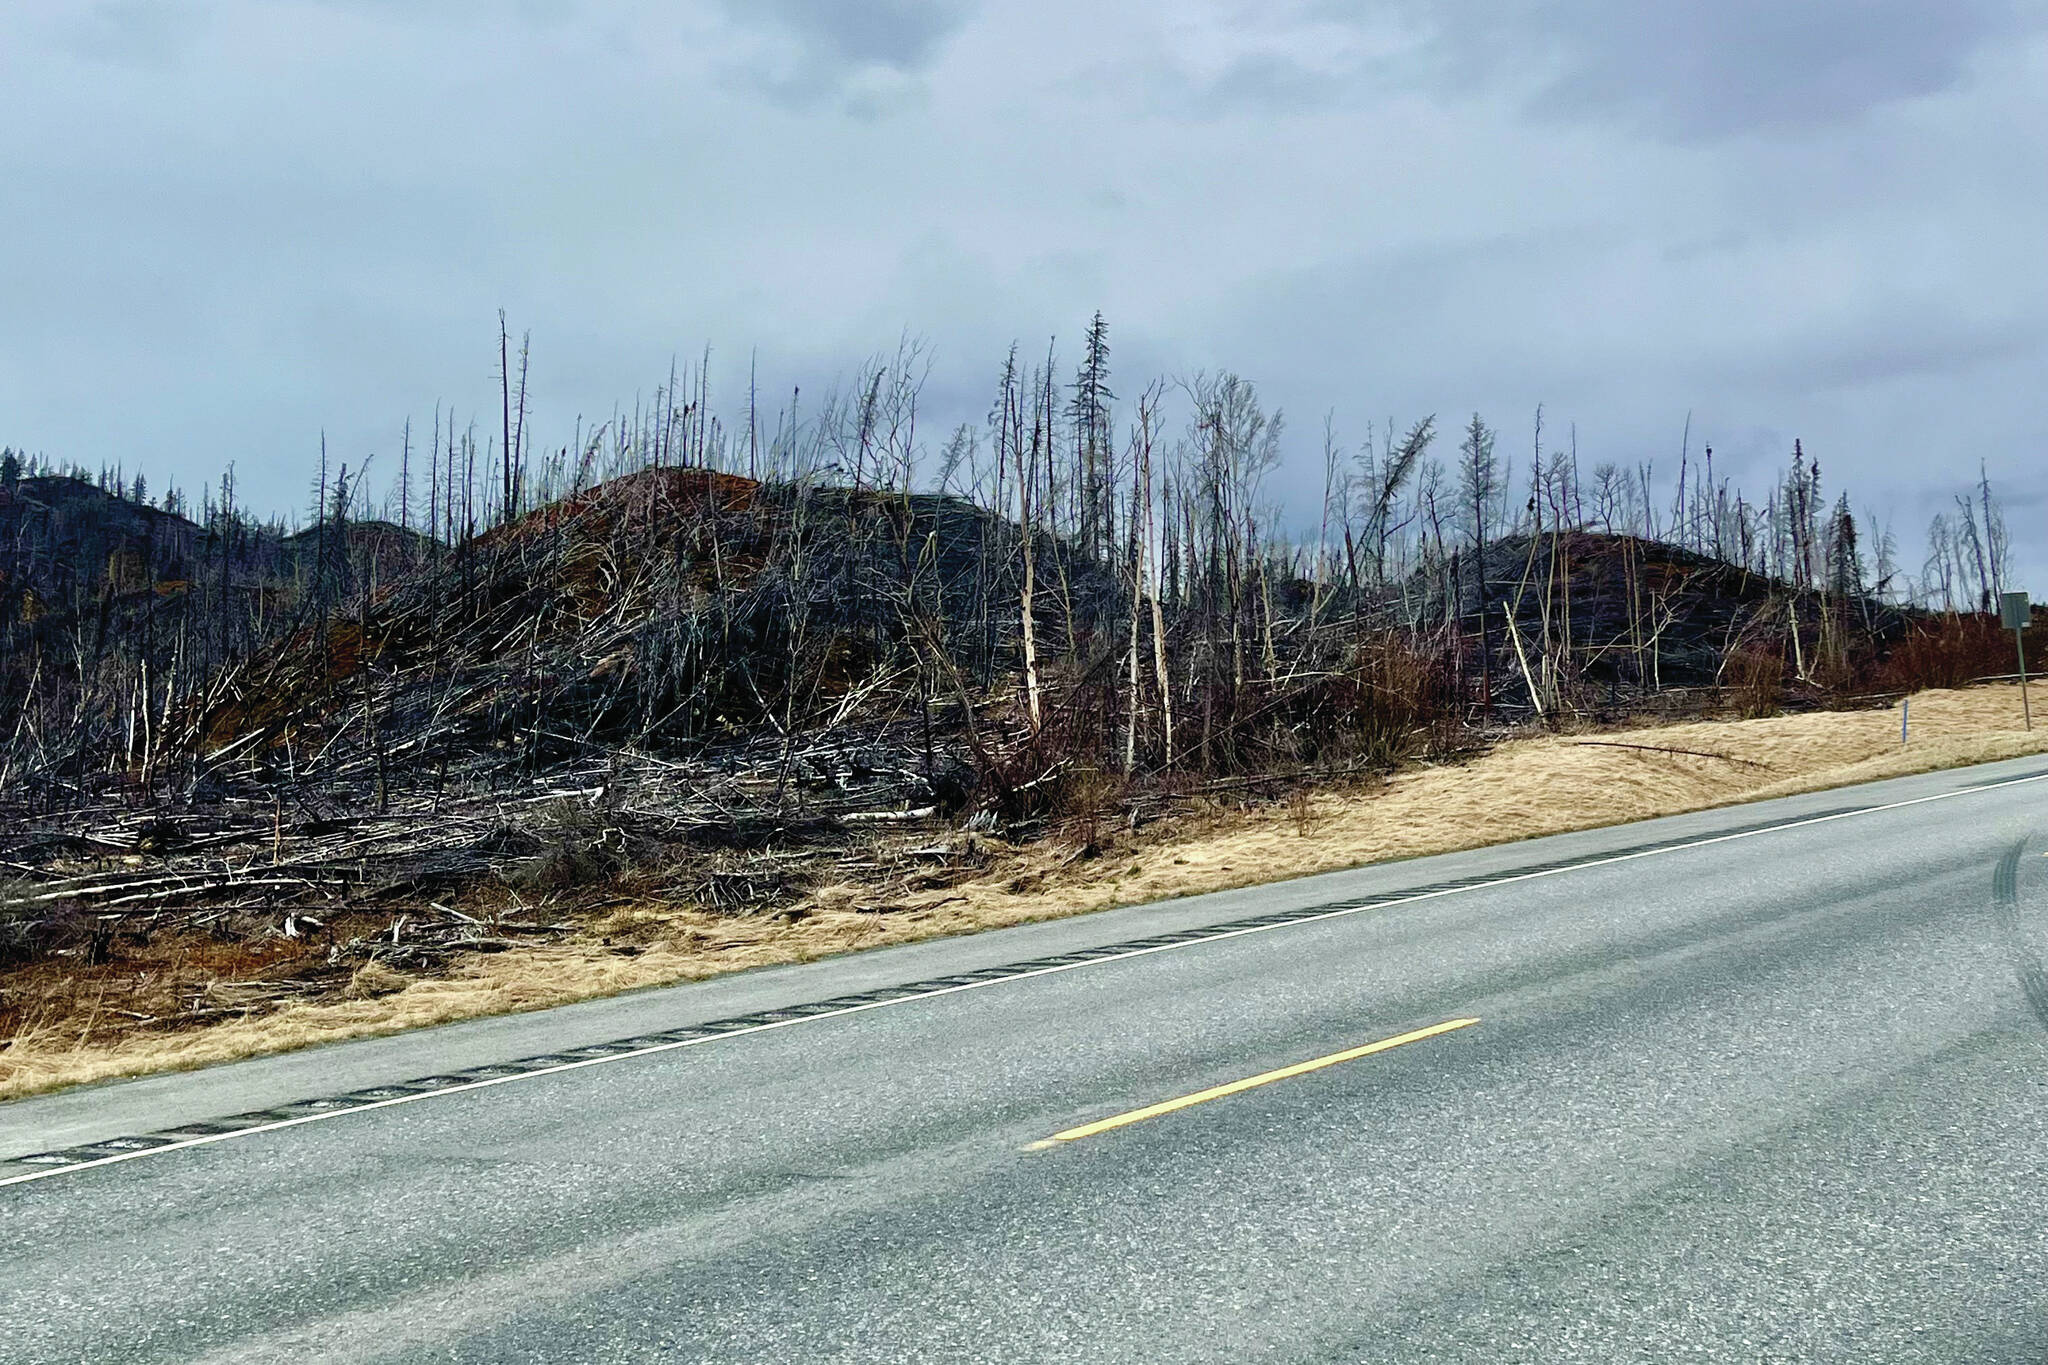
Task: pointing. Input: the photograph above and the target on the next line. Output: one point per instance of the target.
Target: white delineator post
(2016, 611)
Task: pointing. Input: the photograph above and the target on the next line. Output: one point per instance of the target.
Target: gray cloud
(135, 32)
(1257, 83)
(1682, 71)
(262, 219)
(865, 57)
(1892, 342)
(904, 35)
(1689, 70)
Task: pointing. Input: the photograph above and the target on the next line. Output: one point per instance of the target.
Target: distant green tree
(1845, 554)
(1090, 413)
(10, 469)
(1479, 481)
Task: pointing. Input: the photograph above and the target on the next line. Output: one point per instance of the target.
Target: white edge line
(1338, 913)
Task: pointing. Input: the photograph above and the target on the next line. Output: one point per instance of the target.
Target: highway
(1758, 1084)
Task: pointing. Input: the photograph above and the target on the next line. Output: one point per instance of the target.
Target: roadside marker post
(2016, 612)
(1905, 721)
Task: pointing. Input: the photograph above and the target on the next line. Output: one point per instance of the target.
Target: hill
(1580, 619)
(98, 589)
(62, 539)
(323, 756)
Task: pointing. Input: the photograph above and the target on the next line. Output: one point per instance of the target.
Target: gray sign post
(2015, 612)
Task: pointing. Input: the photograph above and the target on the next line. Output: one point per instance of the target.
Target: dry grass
(1524, 788)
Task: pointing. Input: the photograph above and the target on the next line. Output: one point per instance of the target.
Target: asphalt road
(1781, 1096)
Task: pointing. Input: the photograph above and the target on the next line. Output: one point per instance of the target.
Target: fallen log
(889, 817)
(1660, 749)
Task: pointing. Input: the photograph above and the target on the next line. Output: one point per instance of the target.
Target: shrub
(1755, 681)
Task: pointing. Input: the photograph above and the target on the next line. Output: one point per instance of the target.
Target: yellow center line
(1153, 1111)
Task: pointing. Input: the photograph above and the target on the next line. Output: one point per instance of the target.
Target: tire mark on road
(2026, 961)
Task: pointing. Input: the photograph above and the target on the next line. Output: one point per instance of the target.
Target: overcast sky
(230, 224)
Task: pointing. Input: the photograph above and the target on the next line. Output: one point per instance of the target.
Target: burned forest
(687, 662)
